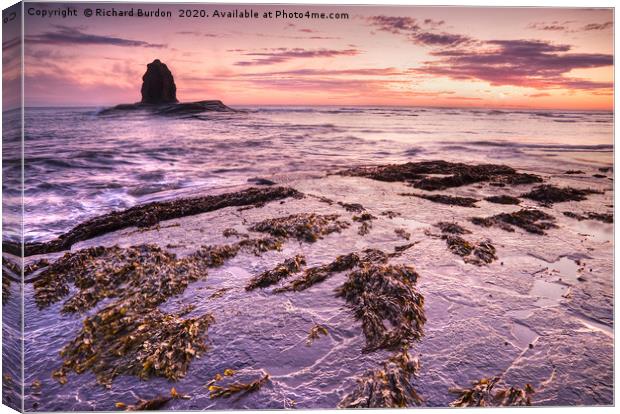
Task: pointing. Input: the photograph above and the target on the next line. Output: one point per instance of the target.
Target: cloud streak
(526, 63)
(64, 35)
(283, 55)
(420, 32)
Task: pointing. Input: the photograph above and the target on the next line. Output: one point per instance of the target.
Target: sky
(556, 58)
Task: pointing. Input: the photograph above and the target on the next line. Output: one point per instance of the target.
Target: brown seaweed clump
(423, 175)
(572, 172)
(352, 207)
(590, 215)
(308, 227)
(124, 339)
(390, 214)
(316, 331)
(377, 293)
(6, 287)
(445, 199)
(530, 220)
(151, 404)
(481, 395)
(451, 228)
(503, 199)
(366, 223)
(234, 233)
(402, 233)
(145, 271)
(150, 214)
(548, 194)
(236, 387)
(278, 273)
(317, 274)
(389, 387)
(473, 253)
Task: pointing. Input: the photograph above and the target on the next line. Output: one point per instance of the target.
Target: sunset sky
(439, 56)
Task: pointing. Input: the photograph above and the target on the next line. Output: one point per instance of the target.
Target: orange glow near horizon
(551, 58)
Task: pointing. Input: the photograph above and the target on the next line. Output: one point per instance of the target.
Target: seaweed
(451, 228)
(548, 194)
(278, 273)
(418, 174)
(366, 223)
(261, 181)
(389, 387)
(234, 233)
(352, 207)
(219, 293)
(399, 249)
(590, 215)
(445, 199)
(530, 220)
(605, 169)
(481, 395)
(308, 227)
(152, 404)
(219, 391)
(503, 199)
(571, 172)
(402, 233)
(390, 214)
(33, 267)
(260, 246)
(144, 271)
(147, 215)
(378, 292)
(6, 288)
(125, 338)
(473, 253)
(599, 176)
(315, 333)
(215, 256)
(317, 274)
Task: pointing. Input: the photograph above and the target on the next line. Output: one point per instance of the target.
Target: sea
(80, 163)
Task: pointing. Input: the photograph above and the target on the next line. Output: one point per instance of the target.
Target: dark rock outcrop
(158, 84)
(159, 96)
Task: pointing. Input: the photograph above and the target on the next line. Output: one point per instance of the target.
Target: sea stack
(159, 96)
(158, 84)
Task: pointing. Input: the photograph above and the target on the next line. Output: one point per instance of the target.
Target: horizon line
(611, 110)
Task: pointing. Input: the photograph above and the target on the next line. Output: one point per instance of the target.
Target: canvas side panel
(12, 186)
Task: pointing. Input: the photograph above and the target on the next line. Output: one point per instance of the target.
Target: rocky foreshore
(378, 285)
